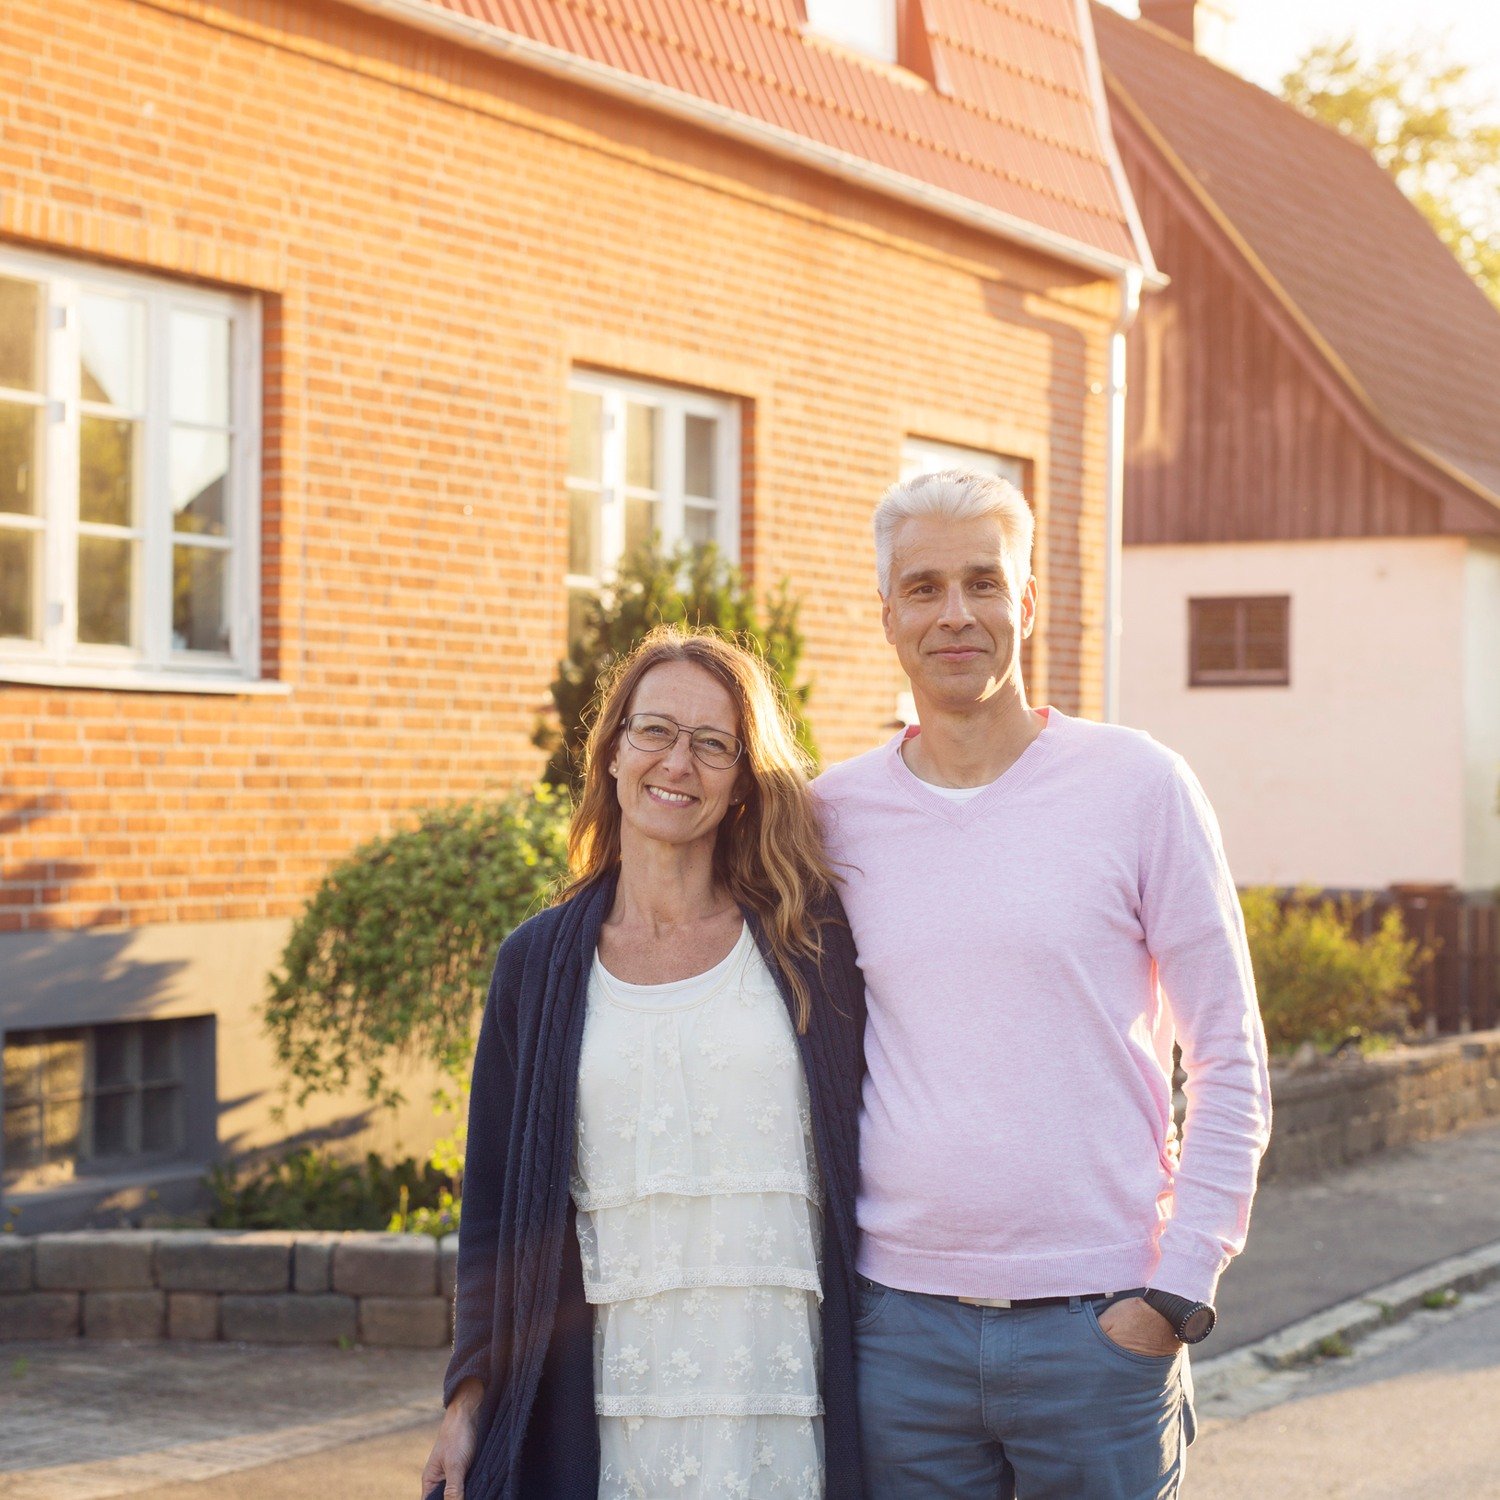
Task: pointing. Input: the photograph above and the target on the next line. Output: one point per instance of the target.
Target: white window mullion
(244, 490)
(727, 474)
(156, 503)
(60, 459)
(669, 475)
(612, 500)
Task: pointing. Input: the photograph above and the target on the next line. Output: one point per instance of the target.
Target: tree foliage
(693, 587)
(1318, 980)
(391, 958)
(1420, 116)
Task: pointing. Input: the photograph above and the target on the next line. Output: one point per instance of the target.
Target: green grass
(1447, 1297)
(1334, 1346)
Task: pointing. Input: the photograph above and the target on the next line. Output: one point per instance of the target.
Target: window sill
(125, 680)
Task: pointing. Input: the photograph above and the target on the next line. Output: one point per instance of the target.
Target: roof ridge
(597, 10)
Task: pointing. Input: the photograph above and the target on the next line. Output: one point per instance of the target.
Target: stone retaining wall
(263, 1288)
(1341, 1110)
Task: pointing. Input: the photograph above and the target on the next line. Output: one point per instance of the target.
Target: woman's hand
(458, 1437)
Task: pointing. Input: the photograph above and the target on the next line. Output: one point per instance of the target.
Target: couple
(704, 1252)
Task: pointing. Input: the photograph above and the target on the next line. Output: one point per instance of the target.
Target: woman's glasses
(713, 747)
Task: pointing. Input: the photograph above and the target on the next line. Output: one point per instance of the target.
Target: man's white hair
(955, 495)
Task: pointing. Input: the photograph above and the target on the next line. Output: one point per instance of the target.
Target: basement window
(1239, 642)
(87, 1100)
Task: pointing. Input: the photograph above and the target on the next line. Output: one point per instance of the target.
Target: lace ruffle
(625, 1289)
(708, 1406)
(687, 1186)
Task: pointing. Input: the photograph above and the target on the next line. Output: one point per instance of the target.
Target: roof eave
(483, 37)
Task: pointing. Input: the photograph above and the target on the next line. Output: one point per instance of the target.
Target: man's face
(955, 612)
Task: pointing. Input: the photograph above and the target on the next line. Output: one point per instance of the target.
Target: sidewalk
(82, 1421)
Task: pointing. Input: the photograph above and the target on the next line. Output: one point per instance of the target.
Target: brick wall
(436, 238)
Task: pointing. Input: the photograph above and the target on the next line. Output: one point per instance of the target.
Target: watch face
(1197, 1325)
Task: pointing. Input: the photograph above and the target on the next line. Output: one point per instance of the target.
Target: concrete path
(82, 1421)
(1415, 1412)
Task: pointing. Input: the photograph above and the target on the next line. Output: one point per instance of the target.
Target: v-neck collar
(932, 802)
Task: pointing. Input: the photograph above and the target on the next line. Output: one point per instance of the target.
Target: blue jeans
(981, 1403)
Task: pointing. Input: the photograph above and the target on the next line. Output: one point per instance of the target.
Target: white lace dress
(701, 1230)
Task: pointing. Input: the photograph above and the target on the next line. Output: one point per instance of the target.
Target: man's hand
(448, 1463)
(1135, 1325)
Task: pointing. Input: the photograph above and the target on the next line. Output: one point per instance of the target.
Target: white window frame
(864, 26)
(928, 456)
(673, 405)
(58, 658)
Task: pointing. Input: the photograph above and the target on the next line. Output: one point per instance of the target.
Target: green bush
(310, 1189)
(390, 959)
(685, 587)
(1318, 980)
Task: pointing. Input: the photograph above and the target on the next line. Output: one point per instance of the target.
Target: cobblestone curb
(1335, 1331)
(385, 1290)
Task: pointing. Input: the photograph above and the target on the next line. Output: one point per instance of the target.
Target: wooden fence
(1458, 983)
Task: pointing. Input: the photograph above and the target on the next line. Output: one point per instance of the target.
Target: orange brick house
(341, 339)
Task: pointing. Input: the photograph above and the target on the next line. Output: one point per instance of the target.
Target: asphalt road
(1414, 1414)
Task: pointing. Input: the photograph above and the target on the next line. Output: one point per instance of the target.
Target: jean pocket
(870, 1298)
(1091, 1311)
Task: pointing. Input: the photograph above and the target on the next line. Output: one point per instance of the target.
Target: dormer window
(867, 26)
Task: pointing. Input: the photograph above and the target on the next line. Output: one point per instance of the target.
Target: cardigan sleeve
(491, 1099)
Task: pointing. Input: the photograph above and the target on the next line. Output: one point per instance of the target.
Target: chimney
(1203, 24)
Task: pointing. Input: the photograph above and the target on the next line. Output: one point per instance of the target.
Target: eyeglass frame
(690, 730)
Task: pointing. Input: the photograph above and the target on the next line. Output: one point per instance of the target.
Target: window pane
(106, 471)
(64, 1068)
(199, 474)
(199, 370)
(23, 1137)
(106, 566)
(18, 452)
(1215, 656)
(113, 1056)
(20, 302)
(200, 599)
(583, 533)
(157, 1053)
(18, 551)
(109, 332)
(23, 1071)
(159, 1120)
(1263, 655)
(640, 523)
(698, 525)
(62, 1128)
(114, 1121)
(585, 436)
(640, 446)
(699, 479)
(868, 26)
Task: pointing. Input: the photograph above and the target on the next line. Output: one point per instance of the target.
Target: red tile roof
(1014, 124)
(1328, 229)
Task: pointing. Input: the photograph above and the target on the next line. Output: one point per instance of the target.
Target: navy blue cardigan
(522, 1324)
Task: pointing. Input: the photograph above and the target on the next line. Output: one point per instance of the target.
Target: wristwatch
(1191, 1321)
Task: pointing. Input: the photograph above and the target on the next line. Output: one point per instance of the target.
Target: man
(1041, 905)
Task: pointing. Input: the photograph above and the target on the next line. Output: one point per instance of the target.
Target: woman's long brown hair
(768, 855)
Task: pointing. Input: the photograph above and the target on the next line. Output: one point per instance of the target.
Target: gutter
(1131, 284)
(491, 40)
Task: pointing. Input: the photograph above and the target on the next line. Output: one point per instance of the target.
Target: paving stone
(288, 1319)
(386, 1265)
(192, 1315)
(448, 1265)
(16, 1262)
(94, 1260)
(224, 1261)
(312, 1262)
(38, 1315)
(403, 1322)
(125, 1315)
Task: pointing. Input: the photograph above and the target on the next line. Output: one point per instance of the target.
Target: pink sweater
(1028, 956)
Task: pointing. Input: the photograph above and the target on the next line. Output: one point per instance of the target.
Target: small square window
(867, 26)
(1239, 642)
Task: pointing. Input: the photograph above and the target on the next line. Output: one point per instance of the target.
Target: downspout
(1114, 501)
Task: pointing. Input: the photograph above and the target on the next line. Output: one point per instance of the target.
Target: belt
(1042, 1301)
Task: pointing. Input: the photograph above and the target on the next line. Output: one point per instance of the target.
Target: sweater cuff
(475, 1366)
(1186, 1275)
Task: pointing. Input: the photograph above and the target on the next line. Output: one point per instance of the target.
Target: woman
(655, 1270)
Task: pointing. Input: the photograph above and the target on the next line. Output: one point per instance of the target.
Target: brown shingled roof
(1330, 231)
(1011, 121)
